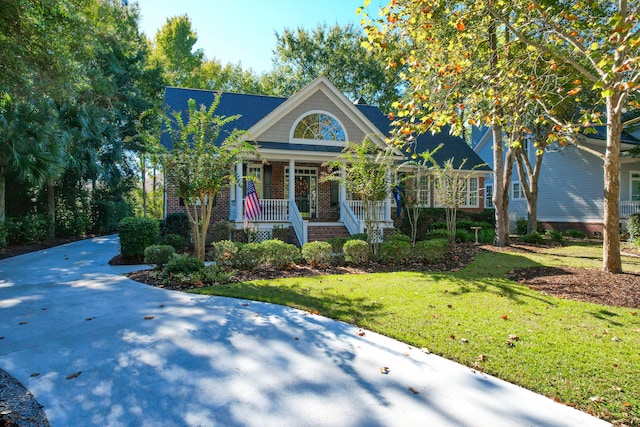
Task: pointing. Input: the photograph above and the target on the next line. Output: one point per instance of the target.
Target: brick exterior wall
(323, 233)
(590, 229)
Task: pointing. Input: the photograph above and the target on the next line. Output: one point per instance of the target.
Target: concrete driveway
(98, 349)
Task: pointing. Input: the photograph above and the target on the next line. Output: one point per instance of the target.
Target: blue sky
(244, 30)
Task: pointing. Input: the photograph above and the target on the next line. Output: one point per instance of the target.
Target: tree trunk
(500, 202)
(51, 209)
(143, 168)
(611, 261)
(3, 206)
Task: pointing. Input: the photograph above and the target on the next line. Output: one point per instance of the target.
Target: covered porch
(301, 200)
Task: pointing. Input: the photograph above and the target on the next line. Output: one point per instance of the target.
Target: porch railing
(273, 210)
(628, 208)
(358, 208)
(299, 225)
(350, 219)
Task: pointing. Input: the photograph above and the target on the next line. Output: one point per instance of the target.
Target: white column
(239, 195)
(292, 183)
(387, 203)
(343, 189)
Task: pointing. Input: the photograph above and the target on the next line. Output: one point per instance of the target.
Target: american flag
(252, 204)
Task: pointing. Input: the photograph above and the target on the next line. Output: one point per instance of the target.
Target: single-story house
(296, 136)
(571, 182)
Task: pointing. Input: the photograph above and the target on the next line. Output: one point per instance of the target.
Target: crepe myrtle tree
(198, 166)
(364, 170)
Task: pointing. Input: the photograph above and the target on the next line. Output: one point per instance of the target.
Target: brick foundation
(590, 229)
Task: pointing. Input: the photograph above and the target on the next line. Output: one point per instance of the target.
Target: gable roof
(256, 111)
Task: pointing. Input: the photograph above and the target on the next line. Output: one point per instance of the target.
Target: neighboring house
(571, 182)
(296, 136)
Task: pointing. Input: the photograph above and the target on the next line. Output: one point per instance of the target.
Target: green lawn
(581, 354)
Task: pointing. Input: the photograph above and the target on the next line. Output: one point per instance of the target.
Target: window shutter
(267, 183)
(334, 193)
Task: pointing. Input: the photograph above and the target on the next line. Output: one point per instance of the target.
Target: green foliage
(356, 251)
(633, 226)
(398, 237)
(215, 275)
(534, 238)
(176, 223)
(27, 229)
(431, 251)
(71, 219)
(107, 214)
(465, 236)
(318, 254)
(576, 234)
(158, 254)
(521, 226)
(486, 235)
(183, 264)
(174, 240)
(396, 250)
(280, 232)
(337, 243)
(136, 234)
(223, 252)
(301, 55)
(438, 233)
(220, 230)
(554, 235)
(249, 255)
(3, 234)
(278, 253)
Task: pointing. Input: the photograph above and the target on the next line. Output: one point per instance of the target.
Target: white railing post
(239, 195)
(299, 225)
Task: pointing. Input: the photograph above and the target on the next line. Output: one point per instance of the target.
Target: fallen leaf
(425, 350)
(460, 26)
(464, 340)
(256, 315)
(510, 343)
(246, 304)
(453, 337)
(384, 370)
(35, 374)
(505, 317)
(361, 333)
(413, 390)
(481, 358)
(596, 399)
(514, 337)
(148, 317)
(161, 305)
(315, 311)
(23, 323)
(449, 306)
(89, 318)
(405, 354)
(626, 404)
(72, 376)
(615, 339)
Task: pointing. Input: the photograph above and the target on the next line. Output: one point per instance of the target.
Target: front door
(306, 191)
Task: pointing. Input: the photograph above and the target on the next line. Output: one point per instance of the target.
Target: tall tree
(596, 44)
(302, 55)
(199, 165)
(174, 49)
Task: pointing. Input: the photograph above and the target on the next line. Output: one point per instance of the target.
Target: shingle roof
(253, 108)
(601, 134)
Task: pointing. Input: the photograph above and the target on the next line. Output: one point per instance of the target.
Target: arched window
(319, 126)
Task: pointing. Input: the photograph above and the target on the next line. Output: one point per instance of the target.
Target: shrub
(438, 234)
(395, 251)
(177, 223)
(317, 253)
(431, 251)
(356, 251)
(280, 232)
(158, 254)
(220, 230)
(183, 264)
(223, 252)
(249, 255)
(175, 240)
(3, 234)
(278, 253)
(465, 236)
(633, 226)
(522, 225)
(136, 234)
(486, 235)
(533, 238)
(337, 243)
(214, 275)
(576, 234)
(554, 235)
(27, 229)
(399, 237)
(107, 214)
(72, 218)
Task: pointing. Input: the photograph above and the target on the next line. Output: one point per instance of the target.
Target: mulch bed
(15, 250)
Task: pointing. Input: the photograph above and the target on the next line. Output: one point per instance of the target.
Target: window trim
(488, 201)
(631, 180)
(318, 141)
(467, 204)
(521, 194)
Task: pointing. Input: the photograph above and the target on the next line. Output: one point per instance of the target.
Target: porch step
(325, 231)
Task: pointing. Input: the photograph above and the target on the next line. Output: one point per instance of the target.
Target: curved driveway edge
(96, 348)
